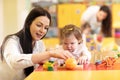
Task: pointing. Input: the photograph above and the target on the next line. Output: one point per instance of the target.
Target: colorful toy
(90, 42)
(118, 55)
(71, 63)
(108, 62)
(99, 38)
(48, 65)
(98, 62)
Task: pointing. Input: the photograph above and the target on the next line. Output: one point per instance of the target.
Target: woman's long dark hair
(25, 35)
(107, 22)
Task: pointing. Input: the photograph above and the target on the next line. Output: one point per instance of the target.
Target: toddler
(86, 31)
(71, 39)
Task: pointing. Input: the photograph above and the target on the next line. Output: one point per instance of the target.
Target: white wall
(22, 12)
(1, 21)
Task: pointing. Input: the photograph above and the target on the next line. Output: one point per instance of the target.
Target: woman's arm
(17, 60)
(62, 54)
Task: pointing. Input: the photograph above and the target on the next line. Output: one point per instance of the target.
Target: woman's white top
(90, 16)
(15, 61)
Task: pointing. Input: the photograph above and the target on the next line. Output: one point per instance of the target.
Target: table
(90, 74)
(75, 75)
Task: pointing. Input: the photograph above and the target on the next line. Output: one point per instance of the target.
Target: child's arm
(85, 56)
(83, 59)
(86, 52)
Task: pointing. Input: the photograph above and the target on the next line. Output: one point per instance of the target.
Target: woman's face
(70, 43)
(101, 15)
(39, 27)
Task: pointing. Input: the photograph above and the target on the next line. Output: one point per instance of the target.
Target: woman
(22, 50)
(100, 19)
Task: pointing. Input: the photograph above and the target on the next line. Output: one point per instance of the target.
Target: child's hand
(83, 60)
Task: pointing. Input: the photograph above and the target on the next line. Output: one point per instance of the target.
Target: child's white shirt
(81, 50)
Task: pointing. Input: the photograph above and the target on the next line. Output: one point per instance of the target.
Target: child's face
(87, 31)
(70, 43)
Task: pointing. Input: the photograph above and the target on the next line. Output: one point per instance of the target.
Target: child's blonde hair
(71, 29)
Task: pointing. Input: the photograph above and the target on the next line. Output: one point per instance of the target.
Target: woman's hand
(60, 53)
(56, 53)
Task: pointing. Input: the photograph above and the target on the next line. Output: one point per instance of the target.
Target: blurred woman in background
(100, 19)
